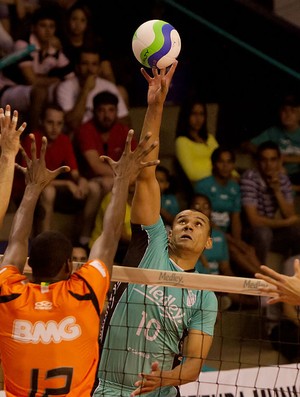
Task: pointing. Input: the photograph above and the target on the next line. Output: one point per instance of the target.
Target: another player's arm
(146, 202)
(125, 171)
(10, 143)
(37, 176)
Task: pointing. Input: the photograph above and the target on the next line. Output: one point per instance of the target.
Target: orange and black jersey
(49, 333)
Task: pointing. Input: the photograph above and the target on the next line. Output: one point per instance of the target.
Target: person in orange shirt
(49, 325)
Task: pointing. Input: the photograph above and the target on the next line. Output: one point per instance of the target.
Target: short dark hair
(51, 105)
(47, 11)
(48, 253)
(267, 145)
(105, 98)
(216, 154)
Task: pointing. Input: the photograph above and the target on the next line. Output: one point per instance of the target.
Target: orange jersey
(49, 333)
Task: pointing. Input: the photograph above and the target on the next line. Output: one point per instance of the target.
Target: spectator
(286, 134)
(194, 144)
(62, 359)
(103, 134)
(268, 202)
(68, 192)
(76, 95)
(169, 206)
(35, 79)
(224, 194)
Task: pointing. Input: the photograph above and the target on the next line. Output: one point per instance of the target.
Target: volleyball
(156, 43)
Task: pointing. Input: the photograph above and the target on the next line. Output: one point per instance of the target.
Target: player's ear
(170, 235)
(209, 243)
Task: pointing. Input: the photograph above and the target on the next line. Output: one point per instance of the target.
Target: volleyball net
(247, 358)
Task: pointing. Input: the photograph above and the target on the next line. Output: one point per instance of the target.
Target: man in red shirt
(102, 135)
(67, 192)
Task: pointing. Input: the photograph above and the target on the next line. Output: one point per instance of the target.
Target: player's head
(190, 233)
(50, 256)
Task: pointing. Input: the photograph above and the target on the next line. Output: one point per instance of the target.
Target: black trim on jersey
(136, 250)
(8, 298)
(91, 296)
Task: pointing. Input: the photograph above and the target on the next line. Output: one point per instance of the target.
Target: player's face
(78, 22)
(53, 124)
(224, 166)
(105, 116)
(190, 232)
(269, 163)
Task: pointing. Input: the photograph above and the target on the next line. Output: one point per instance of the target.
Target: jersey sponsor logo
(43, 305)
(25, 331)
(166, 303)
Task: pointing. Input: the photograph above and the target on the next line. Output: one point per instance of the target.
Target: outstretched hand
(36, 172)
(285, 288)
(131, 162)
(149, 382)
(10, 136)
(159, 84)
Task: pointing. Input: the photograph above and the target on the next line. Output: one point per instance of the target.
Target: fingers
(61, 170)
(22, 128)
(43, 149)
(32, 147)
(25, 157)
(128, 141)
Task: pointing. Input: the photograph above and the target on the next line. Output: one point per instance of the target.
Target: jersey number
(67, 372)
(152, 323)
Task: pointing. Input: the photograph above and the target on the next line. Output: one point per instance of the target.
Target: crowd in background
(69, 90)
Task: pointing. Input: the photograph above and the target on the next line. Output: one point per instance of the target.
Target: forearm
(7, 165)
(17, 250)
(183, 373)
(106, 244)
(286, 209)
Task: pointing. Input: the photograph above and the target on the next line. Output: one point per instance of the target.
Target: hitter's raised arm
(146, 202)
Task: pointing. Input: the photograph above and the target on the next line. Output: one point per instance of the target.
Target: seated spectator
(102, 135)
(68, 192)
(34, 79)
(286, 134)
(194, 144)
(76, 95)
(225, 196)
(268, 202)
(126, 232)
(169, 207)
(79, 33)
